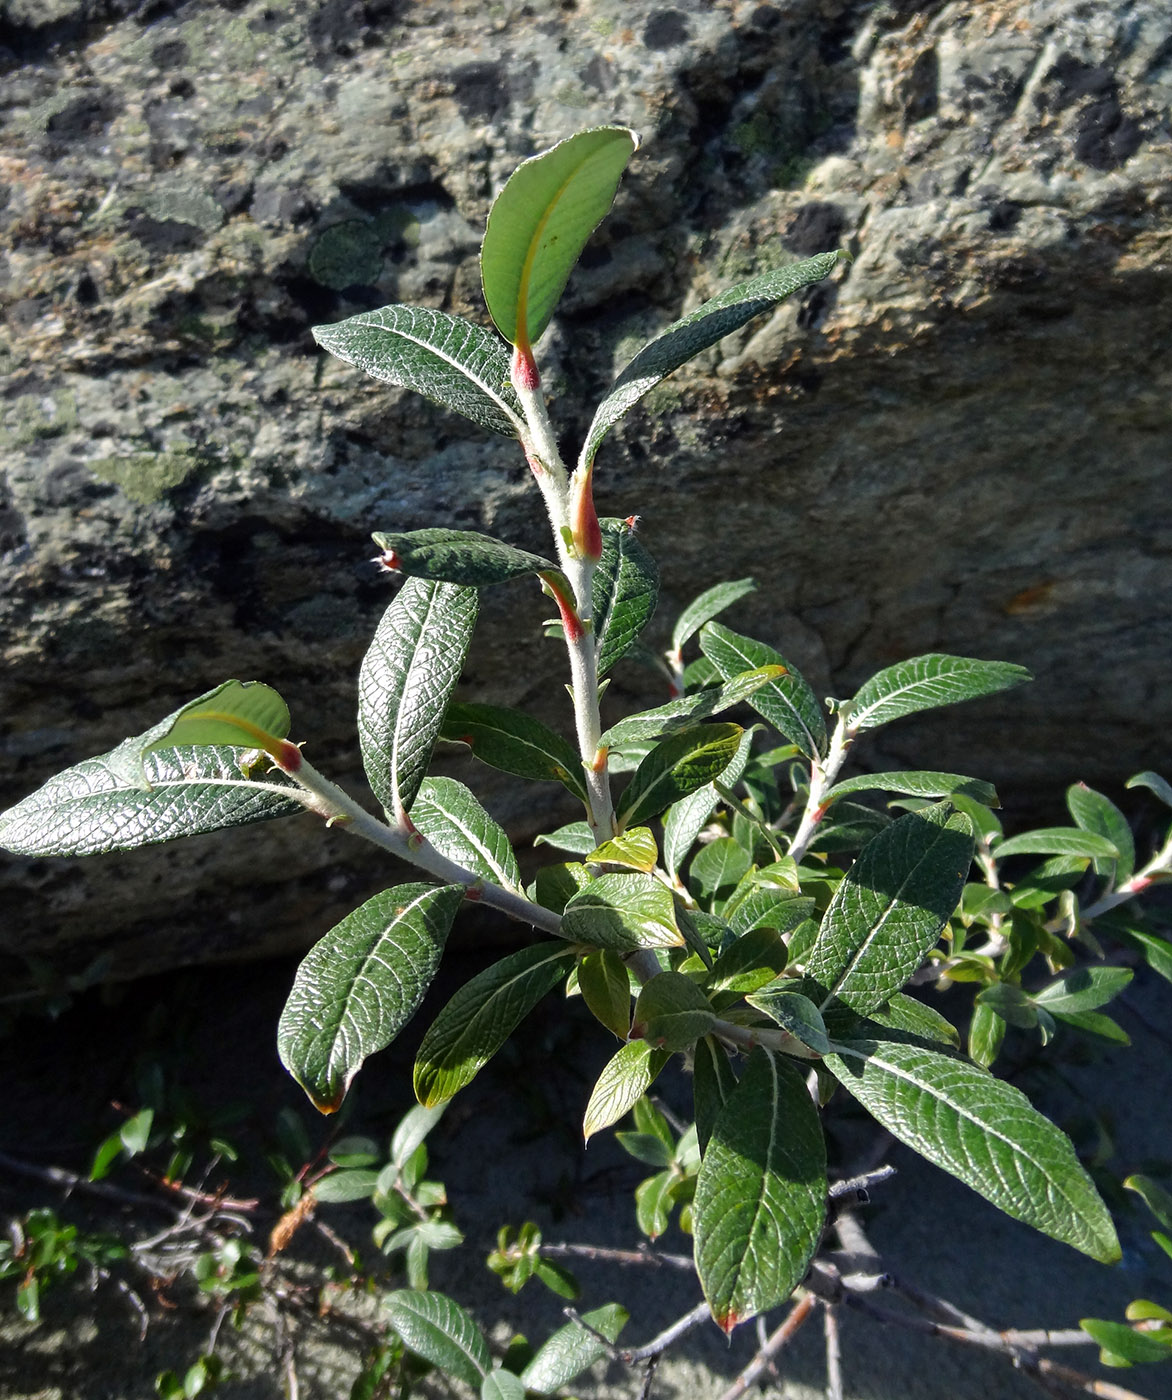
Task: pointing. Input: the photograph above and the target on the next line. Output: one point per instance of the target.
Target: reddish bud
(388, 561)
(524, 370)
(555, 586)
(584, 518)
(287, 756)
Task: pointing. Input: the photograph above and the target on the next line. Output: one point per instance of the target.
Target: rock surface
(958, 445)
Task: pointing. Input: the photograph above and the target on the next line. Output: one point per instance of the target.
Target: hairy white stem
(339, 808)
(823, 772)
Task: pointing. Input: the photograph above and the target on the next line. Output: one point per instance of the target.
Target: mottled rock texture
(959, 444)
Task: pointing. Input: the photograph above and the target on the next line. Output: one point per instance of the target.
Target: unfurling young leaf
(623, 592)
(361, 984)
(448, 360)
(539, 224)
(406, 680)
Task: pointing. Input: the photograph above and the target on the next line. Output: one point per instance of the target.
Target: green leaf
(678, 765)
(502, 1385)
(1154, 783)
(684, 820)
(458, 556)
(709, 323)
(926, 682)
(407, 677)
(787, 703)
(360, 985)
(1010, 1003)
(635, 849)
(1057, 841)
(672, 1012)
(339, 1187)
(516, 743)
(135, 1133)
(450, 817)
(760, 1199)
(437, 1328)
(719, 865)
(622, 912)
(577, 838)
(982, 1131)
(918, 784)
(713, 1082)
(572, 1349)
(482, 1015)
(606, 988)
(986, 1033)
(539, 224)
(752, 960)
(1083, 989)
(625, 1078)
(708, 605)
(1124, 1346)
(1156, 1197)
(686, 709)
(890, 908)
(905, 1013)
(1094, 812)
(794, 1013)
(109, 803)
(448, 360)
(1094, 1023)
(653, 1202)
(623, 592)
(235, 713)
(769, 908)
(646, 1148)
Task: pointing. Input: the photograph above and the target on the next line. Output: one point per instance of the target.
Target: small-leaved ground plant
(727, 895)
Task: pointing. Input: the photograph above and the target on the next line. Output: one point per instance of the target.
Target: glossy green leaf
(718, 865)
(622, 912)
(1013, 1005)
(458, 556)
(1094, 812)
(406, 680)
(502, 1385)
(438, 1329)
(539, 224)
(982, 1131)
(1156, 1197)
(623, 592)
(450, 817)
(919, 784)
(678, 765)
(634, 848)
(516, 743)
(1083, 989)
(687, 709)
(986, 1034)
(787, 703)
(1121, 1345)
(709, 323)
(361, 984)
(646, 1148)
(556, 885)
(1094, 1023)
(235, 713)
(760, 1201)
(1057, 841)
(751, 961)
(448, 360)
(890, 908)
(343, 1186)
(927, 682)
(796, 1014)
(672, 1012)
(684, 820)
(606, 989)
(766, 907)
(482, 1015)
(572, 1349)
(654, 1198)
(711, 603)
(906, 1013)
(626, 1077)
(713, 1082)
(110, 803)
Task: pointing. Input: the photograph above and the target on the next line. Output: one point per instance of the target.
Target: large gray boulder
(958, 444)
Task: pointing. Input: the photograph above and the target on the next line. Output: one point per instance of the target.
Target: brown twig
(642, 1255)
(797, 1315)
